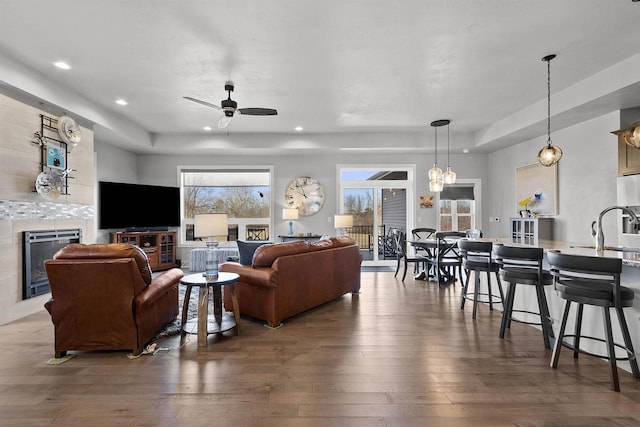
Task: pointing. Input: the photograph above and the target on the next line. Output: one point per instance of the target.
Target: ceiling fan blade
(258, 111)
(203, 102)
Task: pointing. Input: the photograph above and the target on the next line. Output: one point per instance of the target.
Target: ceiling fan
(230, 107)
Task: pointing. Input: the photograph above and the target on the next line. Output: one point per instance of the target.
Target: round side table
(220, 322)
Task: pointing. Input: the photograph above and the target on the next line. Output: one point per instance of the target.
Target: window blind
(457, 192)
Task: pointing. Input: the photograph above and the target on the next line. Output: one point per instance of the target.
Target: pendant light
(435, 173)
(550, 154)
(449, 176)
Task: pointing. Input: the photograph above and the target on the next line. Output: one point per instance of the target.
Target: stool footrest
(630, 355)
(513, 319)
(497, 300)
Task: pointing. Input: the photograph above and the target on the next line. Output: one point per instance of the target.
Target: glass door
(379, 201)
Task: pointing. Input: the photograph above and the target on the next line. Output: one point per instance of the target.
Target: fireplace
(38, 246)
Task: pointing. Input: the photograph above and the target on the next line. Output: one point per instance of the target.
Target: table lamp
(290, 214)
(342, 222)
(209, 226)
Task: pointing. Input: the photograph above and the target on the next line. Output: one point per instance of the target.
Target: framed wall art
(426, 201)
(537, 189)
(56, 156)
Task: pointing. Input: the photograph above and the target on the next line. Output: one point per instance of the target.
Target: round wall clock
(306, 194)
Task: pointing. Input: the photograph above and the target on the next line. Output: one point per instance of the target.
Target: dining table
(436, 250)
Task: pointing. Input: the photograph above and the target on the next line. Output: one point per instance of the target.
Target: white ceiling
(331, 66)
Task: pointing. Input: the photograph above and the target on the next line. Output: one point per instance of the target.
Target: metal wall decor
(56, 139)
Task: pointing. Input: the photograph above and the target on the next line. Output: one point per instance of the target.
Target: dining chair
(446, 258)
(400, 247)
(473, 233)
(386, 247)
(421, 234)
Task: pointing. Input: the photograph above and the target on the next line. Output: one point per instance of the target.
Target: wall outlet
(494, 219)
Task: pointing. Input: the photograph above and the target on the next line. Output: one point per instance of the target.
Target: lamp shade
(343, 221)
(289, 213)
(211, 225)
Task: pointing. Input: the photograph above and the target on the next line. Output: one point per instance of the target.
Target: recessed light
(299, 128)
(207, 128)
(62, 65)
(465, 151)
(121, 102)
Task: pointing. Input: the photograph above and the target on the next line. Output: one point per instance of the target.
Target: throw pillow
(246, 250)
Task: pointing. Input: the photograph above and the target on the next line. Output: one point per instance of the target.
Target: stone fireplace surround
(22, 209)
(19, 216)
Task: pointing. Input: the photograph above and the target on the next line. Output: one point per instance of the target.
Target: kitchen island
(592, 323)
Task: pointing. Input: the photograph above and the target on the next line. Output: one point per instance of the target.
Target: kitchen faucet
(596, 231)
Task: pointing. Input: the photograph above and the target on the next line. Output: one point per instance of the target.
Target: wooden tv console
(160, 246)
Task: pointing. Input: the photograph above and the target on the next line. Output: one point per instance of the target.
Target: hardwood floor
(394, 355)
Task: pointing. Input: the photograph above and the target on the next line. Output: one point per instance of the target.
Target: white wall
(586, 180)
(586, 177)
(163, 170)
(116, 164)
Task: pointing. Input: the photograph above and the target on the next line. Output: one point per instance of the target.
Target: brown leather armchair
(103, 297)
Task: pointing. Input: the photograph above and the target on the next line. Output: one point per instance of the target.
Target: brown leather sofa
(286, 279)
(103, 297)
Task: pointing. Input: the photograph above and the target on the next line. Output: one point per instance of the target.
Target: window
(242, 193)
(457, 208)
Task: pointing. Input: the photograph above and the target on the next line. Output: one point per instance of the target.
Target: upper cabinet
(629, 150)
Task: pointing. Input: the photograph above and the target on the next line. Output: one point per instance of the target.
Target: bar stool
(523, 266)
(476, 257)
(593, 281)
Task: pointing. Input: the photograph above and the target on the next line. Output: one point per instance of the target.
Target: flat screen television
(137, 207)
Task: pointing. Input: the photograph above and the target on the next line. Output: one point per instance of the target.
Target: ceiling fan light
(549, 155)
(224, 121)
(449, 176)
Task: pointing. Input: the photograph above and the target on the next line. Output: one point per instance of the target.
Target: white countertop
(630, 256)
